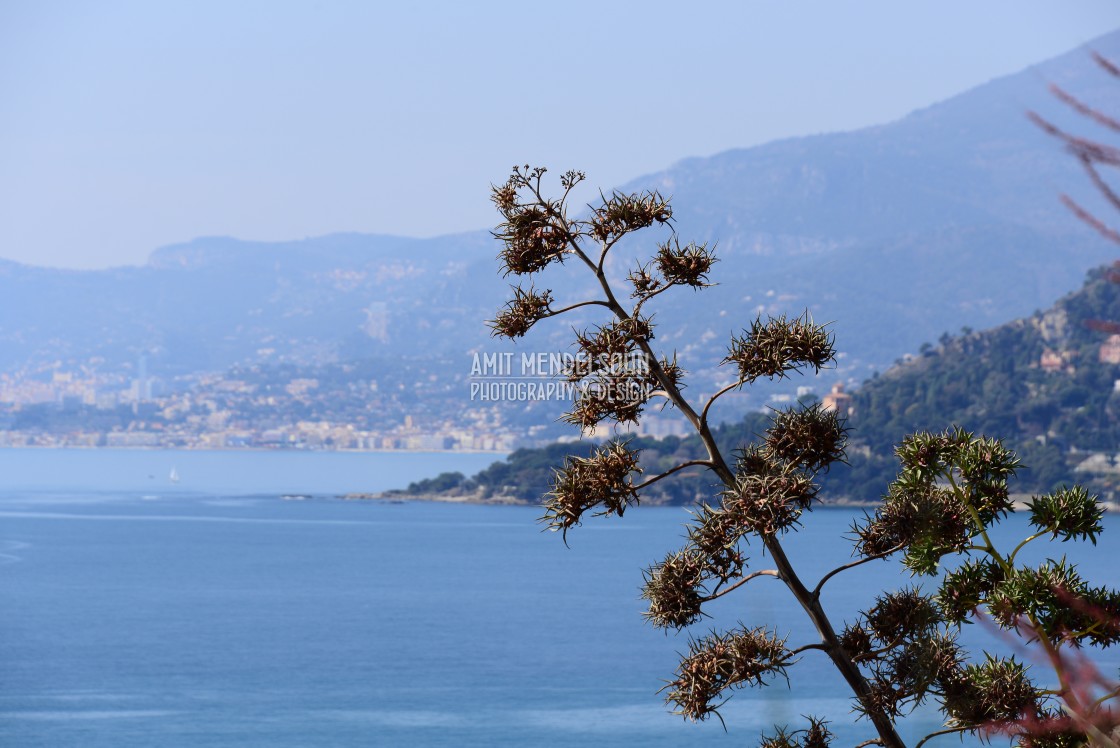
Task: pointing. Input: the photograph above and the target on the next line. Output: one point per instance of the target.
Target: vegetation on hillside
(1040, 382)
(526, 474)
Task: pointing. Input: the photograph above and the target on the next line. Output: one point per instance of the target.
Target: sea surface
(213, 611)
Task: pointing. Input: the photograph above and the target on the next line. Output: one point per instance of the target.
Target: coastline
(399, 496)
(473, 498)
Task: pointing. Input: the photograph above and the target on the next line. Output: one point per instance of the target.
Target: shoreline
(400, 497)
(476, 499)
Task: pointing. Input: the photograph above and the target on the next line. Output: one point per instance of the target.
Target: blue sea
(247, 605)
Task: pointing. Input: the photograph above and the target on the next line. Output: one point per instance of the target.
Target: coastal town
(421, 405)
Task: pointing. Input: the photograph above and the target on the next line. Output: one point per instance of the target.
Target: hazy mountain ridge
(216, 302)
(945, 218)
(898, 232)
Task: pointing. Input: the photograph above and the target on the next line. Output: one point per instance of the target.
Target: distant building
(377, 321)
(1110, 350)
(1053, 362)
(837, 400)
(142, 386)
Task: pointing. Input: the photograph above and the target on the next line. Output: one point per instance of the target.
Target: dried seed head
(604, 479)
(533, 238)
(990, 693)
(856, 641)
(769, 504)
(721, 661)
(525, 309)
(816, 735)
(906, 614)
(644, 281)
(715, 534)
(620, 214)
(811, 438)
(672, 589)
(687, 265)
(778, 346)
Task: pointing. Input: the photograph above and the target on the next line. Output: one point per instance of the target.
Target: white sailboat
(174, 476)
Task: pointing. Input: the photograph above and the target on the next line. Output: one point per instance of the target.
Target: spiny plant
(902, 650)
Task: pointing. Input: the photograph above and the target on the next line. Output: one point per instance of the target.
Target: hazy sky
(125, 126)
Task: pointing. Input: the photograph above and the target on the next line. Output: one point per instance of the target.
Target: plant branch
(831, 644)
(670, 471)
(608, 245)
(712, 399)
(661, 290)
(947, 731)
(1110, 695)
(569, 236)
(806, 648)
(974, 515)
(558, 312)
(1084, 109)
(741, 582)
(1024, 542)
(852, 565)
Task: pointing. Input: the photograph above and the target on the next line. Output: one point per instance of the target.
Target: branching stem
(806, 648)
(670, 471)
(558, 312)
(1024, 542)
(741, 582)
(852, 565)
(947, 731)
(712, 399)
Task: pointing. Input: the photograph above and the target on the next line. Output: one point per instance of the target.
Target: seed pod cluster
(778, 346)
(950, 485)
(724, 660)
(989, 693)
(534, 233)
(614, 377)
(684, 266)
(811, 438)
(1068, 513)
(605, 479)
(672, 588)
(902, 649)
(620, 214)
(525, 309)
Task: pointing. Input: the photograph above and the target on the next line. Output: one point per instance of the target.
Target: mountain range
(898, 233)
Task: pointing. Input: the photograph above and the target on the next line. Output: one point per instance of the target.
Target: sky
(126, 126)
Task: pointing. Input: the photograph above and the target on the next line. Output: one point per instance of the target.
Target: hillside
(1048, 384)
